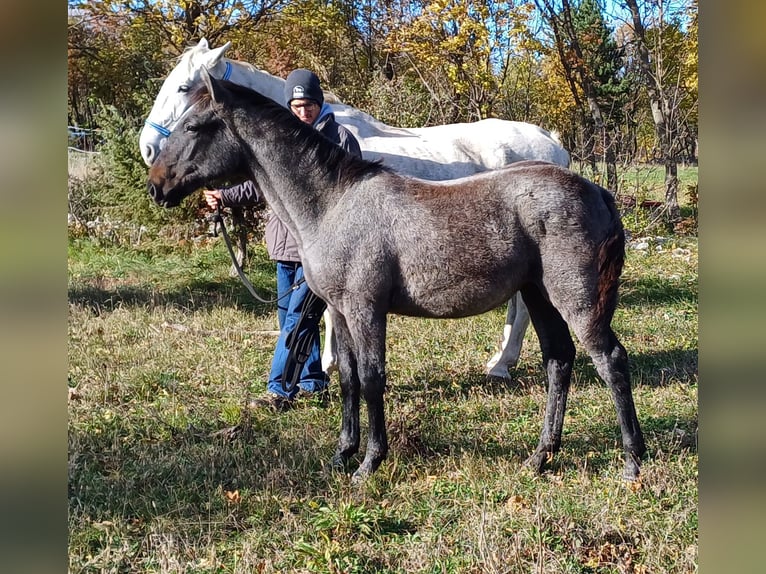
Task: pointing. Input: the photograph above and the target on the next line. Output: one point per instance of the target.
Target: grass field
(170, 472)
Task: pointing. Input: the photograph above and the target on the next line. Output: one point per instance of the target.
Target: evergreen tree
(604, 59)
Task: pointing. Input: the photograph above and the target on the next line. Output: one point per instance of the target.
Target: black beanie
(303, 84)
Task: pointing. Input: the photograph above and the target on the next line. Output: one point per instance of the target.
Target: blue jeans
(312, 379)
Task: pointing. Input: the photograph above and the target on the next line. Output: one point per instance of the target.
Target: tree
(689, 65)
(329, 44)
(604, 59)
(460, 51)
(549, 94)
(110, 60)
(119, 48)
(180, 23)
(593, 67)
(662, 66)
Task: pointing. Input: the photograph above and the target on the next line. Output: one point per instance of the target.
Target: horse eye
(183, 88)
(189, 127)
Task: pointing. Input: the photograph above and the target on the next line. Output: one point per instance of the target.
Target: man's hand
(213, 198)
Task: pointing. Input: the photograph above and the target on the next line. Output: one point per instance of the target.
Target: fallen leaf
(635, 485)
(517, 502)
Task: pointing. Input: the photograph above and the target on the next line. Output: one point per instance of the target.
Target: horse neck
(247, 75)
(298, 191)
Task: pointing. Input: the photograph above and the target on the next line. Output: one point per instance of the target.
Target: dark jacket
(279, 241)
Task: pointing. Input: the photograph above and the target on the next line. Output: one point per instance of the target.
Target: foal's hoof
(359, 478)
(538, 460)
(362, 474)
(339, 463)
(632, 469)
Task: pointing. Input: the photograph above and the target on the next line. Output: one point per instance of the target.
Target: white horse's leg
(510, 315)
(329, 353)
(516, 323)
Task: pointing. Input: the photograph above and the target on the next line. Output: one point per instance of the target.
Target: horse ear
(213, 56)
(214, 88)
(203, 44)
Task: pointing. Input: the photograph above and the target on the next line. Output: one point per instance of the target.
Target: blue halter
(165, 132)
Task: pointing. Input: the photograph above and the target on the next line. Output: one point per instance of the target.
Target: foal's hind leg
(611, 362)
(558, 357)
(516, 323)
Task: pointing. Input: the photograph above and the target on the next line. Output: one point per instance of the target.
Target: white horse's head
(172, 101)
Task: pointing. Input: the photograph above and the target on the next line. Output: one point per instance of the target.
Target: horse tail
(610, 261)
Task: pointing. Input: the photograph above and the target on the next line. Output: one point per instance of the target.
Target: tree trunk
(607, 145)
(564, 30)
(661, 114)
(671, 190)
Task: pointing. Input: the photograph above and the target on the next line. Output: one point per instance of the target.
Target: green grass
(169, 472)
(641, 183)
(644, 179)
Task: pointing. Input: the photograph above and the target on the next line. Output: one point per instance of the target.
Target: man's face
(306, 110)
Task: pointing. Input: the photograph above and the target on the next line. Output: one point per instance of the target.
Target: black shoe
(271, 401)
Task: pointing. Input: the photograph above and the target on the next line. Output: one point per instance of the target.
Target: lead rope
(218, 221)
(299, 346)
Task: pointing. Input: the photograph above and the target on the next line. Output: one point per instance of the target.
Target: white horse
(433, 153)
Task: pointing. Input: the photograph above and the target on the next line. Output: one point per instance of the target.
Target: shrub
(116, 187)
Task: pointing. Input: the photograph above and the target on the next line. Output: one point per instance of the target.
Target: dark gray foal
(374, 242)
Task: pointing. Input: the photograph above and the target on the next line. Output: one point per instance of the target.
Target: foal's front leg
(369, 336)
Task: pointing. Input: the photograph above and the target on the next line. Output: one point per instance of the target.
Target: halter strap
(162, 130)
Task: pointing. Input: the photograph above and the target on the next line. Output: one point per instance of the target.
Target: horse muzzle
(155, 192)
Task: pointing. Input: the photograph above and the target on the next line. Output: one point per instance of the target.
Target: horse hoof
(359, 478)
(632, 470)
(361, 475)
(499, 373)
(538, 460)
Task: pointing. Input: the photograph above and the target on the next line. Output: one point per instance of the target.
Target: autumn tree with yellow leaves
(462, 52)
(415, 63)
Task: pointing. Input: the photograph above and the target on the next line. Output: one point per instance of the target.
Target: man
(303, 95)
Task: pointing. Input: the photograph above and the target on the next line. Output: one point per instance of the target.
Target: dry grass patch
(169, 472)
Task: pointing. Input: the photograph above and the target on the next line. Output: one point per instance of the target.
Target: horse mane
(323, 154)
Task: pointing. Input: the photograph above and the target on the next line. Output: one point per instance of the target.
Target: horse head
(172, 101)
(202, 151)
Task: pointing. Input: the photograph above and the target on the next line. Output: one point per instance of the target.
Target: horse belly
(451, 297)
